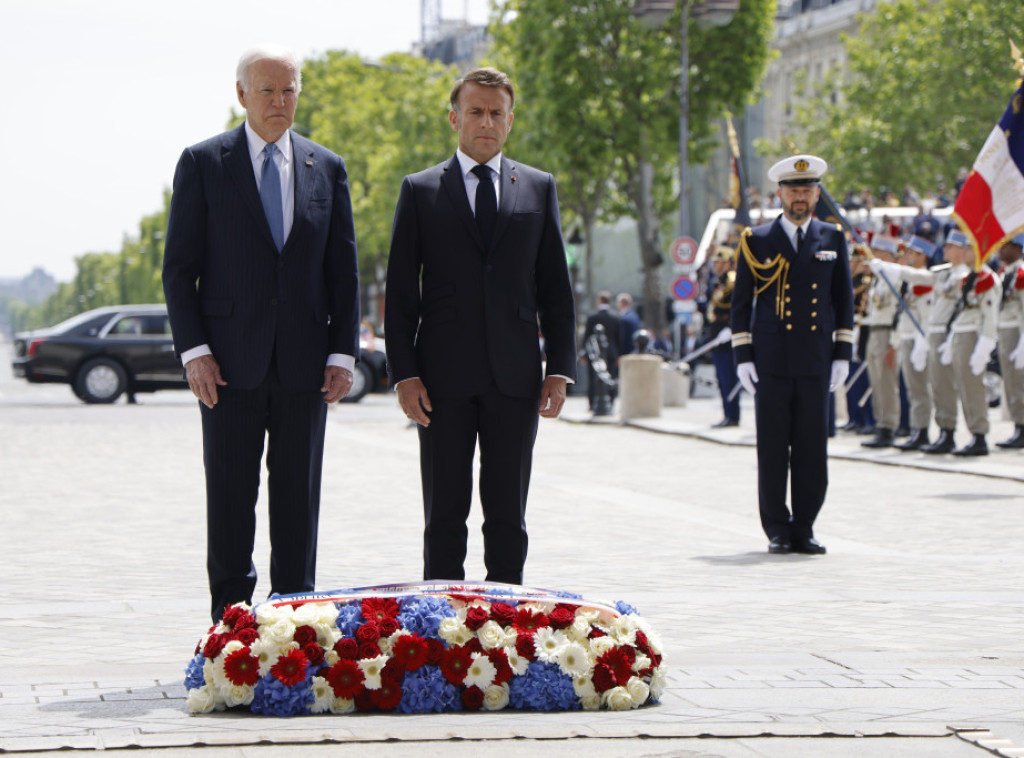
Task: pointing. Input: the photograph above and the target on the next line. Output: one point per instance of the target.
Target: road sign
(684, 288)
(684, 251)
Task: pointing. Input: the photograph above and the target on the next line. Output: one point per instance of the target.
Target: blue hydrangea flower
(194, 678)
(272, 698)
(543, 688)
(350, 618)
(422, 615)
(624, 608)
(567, 595)
(425, 690)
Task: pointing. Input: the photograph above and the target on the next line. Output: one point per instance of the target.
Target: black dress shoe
(883, 438)
(852, 426)
(726, 422)
(808, 546)
(977, 446)
(779, 546)
(944, 444)
(1016, 442)
(918, 439)
(868, 429)
(903, 431)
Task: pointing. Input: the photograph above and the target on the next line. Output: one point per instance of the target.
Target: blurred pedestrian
(629, 323)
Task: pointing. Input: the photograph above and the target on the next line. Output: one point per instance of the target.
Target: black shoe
(977, 446)
(726, 422)
(852, 426)
(918, 439)
(902, 432)
(779, 546)
(944, 444)
(868, 429)
(882, 438)
(1016, 442)
(808, 546)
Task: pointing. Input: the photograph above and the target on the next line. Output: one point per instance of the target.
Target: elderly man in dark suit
(262, 289)
(476, 260)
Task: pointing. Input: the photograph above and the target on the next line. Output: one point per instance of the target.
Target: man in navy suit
(262, 288)
(792, 335)
(476, 260)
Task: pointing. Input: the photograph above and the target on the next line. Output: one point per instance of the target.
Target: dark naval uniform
(787, 304)
(721, 356)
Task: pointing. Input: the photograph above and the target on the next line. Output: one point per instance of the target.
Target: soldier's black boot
(1016, 442)
(977, 446)
(883, 438)
(944, 444)
(918, 439)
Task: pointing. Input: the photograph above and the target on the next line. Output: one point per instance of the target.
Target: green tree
(600, 106)
(926, 81)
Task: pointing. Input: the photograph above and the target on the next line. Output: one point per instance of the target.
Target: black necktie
(486, 203)
(799, 238)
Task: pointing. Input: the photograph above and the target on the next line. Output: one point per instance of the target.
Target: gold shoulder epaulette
(765, 274)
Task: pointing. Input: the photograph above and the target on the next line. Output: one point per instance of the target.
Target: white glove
(891, 270)
(840, 370)
(1017, 354)
(919, 353)
(982, 354)
(723, 336)
(945, 351)
(747, 375)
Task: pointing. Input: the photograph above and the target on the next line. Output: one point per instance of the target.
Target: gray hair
(267, 52)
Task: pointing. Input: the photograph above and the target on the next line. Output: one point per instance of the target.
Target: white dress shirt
(790, 229)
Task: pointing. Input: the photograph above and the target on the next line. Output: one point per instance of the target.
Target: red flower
(304, 635)
(345, 678)
(347, 648)
(314, 653)
(364, 702)
(643, 643)
(473, 698)
(525, 647)
(392, 670)
(214, 644)
(369, 650)
(231, 615)
(376, 609)
(476, 617)
(246, 635)
(411, 651)
(245, 621)
(435, 649)
(604, 677)
(241, 667)
(474, 646)
(529, 621)
(503, 671)
(618, 662)
(503, 613)
(388, 695)
(290, 668)
(595, 633)
(561, 617)
(455, 662)
(368, 632)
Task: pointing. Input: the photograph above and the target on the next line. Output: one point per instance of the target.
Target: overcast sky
(103, 95)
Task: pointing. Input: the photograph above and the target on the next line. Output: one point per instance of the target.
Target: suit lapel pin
(309, 163)
(513, 177)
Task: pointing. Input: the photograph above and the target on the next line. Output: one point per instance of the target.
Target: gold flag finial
(1018, 59)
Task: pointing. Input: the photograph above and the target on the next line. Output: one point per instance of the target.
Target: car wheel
(362, 380)
(101, 380)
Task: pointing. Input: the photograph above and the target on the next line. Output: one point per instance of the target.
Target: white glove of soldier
(1017, 354)
(840, 370)
(723, 336)
(747, 375)
(945, 351)
(982, 354)
(891, 270)
(919, 353)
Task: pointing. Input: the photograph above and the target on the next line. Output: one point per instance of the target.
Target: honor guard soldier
(718, 331)
(1011, 337)
(792, 336)
(969, 347)
(879, 320)
(858, 407)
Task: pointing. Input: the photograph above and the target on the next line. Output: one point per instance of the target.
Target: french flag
(990, 206)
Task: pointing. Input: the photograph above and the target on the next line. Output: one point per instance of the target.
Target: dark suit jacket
(816, 300)
(459, 316)
(227, 286)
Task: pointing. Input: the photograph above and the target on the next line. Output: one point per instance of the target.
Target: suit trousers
(885, 387)
(233, 440)
(918, 394)
(1013, 377)
(972, 388)
(943, 384)
(791, 415)
(506, 429)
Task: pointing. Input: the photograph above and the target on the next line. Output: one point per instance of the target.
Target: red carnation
(529, 621)
(561, 617)
(503, 613)
(473, 698)
(214, 644)
(347, 648)
(476, 617)
(435, 649)
(314, 653)
(411, 651)
(502, 670)
(376, 609)
(368, 632)
(455, 662)
(345, 678)
(387, 627)
(304, 635)
(241, 667)
(369, 650)
(247, 635)
(290, 668)
(604, 677)
(388, 695)
(525, 647)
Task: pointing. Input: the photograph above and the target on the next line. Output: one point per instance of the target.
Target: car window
(156, 326)
(129, 326)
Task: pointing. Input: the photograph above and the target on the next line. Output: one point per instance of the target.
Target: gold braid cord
(763, 274)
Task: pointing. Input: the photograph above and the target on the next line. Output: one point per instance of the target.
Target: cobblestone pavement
(909, 632)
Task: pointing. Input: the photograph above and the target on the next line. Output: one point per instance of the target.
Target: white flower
(623, 629)
(548, 643)
(481, 672)
(584, 687)
(480, 603)
(372, 668)
(237, 694)
(658, 681)
(573, 659)
(641, 662)
(281, 632)
(342, 705)
(201, 699)
(601, 645)
(492, 635)
(323, 695)
(617, 699)
(315, 614)
(591, 702)
(638, 690)
(518, 664)
(454, 632)
(590, 615)
(537, 607)
(496, 697)
(331, 657)
(267, 615)
(578, 630)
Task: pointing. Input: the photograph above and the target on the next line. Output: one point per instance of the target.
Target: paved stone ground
(905, 640)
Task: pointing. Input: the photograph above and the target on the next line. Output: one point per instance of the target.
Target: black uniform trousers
(233, 438)
(506, 428)
(792, 442)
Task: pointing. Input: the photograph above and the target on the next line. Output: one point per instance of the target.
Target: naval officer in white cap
(792, 336)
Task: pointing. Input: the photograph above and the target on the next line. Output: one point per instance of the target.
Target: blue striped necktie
(270, 196)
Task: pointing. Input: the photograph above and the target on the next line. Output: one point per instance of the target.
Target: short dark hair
(485, 77)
